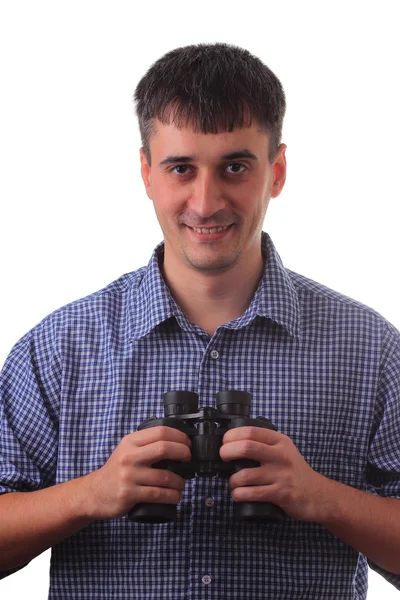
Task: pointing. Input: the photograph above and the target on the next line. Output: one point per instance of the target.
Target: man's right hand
(31, 522)
(128, 478)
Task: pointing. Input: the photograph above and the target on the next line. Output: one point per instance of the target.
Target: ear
(279, 171)
(145, 172)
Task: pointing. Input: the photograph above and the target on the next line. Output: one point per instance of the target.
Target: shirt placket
(205, 502)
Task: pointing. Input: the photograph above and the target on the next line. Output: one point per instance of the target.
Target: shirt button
(206, 579)
(209, 502)
(214, 354)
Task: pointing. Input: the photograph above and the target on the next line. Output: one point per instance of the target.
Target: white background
(74, 215)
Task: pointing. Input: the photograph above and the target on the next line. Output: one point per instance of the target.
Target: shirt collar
(275, 298)
(153, 303)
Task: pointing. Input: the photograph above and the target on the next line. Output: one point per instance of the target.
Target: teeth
(212, 230)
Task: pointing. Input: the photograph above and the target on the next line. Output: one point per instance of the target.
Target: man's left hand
(283, 477)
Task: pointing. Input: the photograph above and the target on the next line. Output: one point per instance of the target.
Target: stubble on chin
(211, 265)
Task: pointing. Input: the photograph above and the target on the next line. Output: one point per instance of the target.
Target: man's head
(212, 87)
(211, 121)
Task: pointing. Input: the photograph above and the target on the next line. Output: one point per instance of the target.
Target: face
(211, 193)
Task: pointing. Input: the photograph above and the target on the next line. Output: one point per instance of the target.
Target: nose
(206, 195)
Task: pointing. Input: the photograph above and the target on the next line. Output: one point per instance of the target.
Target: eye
(180, 169)
(236, 168)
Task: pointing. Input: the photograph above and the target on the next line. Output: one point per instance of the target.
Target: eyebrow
(174, 158)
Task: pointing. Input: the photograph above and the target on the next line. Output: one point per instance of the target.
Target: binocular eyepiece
(206, 427)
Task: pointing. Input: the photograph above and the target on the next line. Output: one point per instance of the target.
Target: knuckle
(246, 476)
(164, 478)
(163, 432)
(124, 440)
(128, 440)
(125, 459)
(285, 441)
(123, 494)
(161, 448)
(247, 447)
(254, 433)
(156, 494)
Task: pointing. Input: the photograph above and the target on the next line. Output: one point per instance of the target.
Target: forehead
(186, 140)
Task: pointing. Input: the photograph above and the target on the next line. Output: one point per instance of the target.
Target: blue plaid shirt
(323, 367)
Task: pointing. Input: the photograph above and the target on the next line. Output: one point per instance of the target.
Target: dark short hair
(213, 87)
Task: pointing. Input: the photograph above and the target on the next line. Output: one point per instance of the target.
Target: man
(214, 310)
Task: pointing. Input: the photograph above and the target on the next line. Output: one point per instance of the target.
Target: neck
(210, 300)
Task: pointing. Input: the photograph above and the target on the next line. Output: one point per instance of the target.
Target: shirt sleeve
(29, 400)
(29, 394)
(383, 470)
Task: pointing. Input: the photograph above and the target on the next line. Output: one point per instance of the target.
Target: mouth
(208, 231)
(210, 234)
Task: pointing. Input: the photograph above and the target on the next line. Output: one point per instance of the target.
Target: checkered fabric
(324, 368)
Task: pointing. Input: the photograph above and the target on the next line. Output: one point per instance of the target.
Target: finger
(160, 478)
(256, 493)
(154, 434)
(246, 448)
(162, 450)
(258, 434)
(253, 476)
(158, 495)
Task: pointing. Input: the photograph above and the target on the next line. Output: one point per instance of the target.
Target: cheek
(168, 197)
(161, 193)
(254, 198)
(167, 204)
(258, 187)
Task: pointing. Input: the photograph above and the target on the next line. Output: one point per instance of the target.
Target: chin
(212, 267)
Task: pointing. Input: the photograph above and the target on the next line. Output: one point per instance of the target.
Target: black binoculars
(206, 427)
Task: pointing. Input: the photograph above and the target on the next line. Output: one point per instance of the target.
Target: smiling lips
(211, 230)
